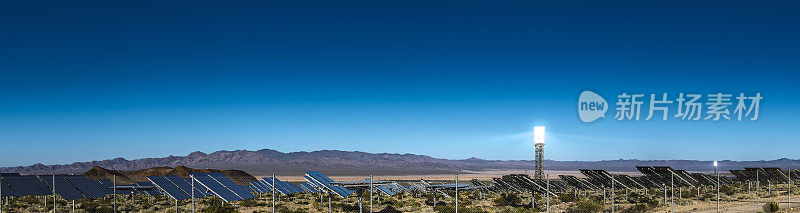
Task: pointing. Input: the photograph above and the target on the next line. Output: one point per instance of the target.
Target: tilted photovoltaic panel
(257, 187)
(6, 191)
(252, 189)
(168, 187)
(63, 187)
(261, 186)
(295, 188)
(21, 185)
(279, 185)
(266, 187)
(215, 187)
(233, 186)
(90, 189)
(152, 192)
(198, 186)
(326, 182)
(308, 187)
(291, 187)
(107, 185)
(184, 186)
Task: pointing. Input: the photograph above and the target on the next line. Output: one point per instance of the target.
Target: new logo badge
(591, 106)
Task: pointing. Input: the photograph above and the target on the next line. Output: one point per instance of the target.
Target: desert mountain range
(333, 162)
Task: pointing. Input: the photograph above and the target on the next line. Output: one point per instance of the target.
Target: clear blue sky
(83, 81)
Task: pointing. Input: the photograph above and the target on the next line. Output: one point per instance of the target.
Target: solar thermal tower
(538, 142)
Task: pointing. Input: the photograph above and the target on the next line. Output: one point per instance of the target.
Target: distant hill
(129, 177)
(332, 162)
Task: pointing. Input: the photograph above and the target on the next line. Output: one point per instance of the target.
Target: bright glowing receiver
(538, 134)
(715, 163)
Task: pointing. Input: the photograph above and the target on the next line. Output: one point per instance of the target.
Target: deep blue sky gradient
(84, 80)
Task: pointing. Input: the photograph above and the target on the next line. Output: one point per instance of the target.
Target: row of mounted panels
(69, 187)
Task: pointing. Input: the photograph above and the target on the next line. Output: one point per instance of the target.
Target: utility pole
(54, 193)
(789, 189)
(456, 192)
(370, 194)
(547, 177)
(114, 186)
(758, 188)
(192, 176)
(273, 193)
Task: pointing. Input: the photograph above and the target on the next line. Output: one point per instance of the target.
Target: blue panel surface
(90, 189)
(63, 187)
(198, 186)
(280, 187)
(308, 187)
(152, 192)
(256, 185)
(21, 185)
(107, 185)
(6, 191)
(215, 187)
(184, 186)
(323, 180)
(233, 186)
(168, 187)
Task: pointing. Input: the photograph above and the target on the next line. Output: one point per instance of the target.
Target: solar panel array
(233, 186)
(215, 187)
(149, 192)
(90, 189)
(198, 186)
(258, 187)
(20, 185)
(322, 181)
(283, 187)
(168, 187)
(186, 187)
(5, 191)
(63, 187)
(308, 187)
(107, 185)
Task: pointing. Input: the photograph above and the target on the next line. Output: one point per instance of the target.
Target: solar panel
(152, 192)
(168, 187)
(308, 187)
(257, 187)
(233, 186)
(90, 189)
(280, 186)
(202, 189)
(386, 190)
(325, 182)
(63, 187)
(22, 185)
(107, 185)
(215, 187)
(296, 188)
(261, 186)
(7, 191)
(183, 185)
